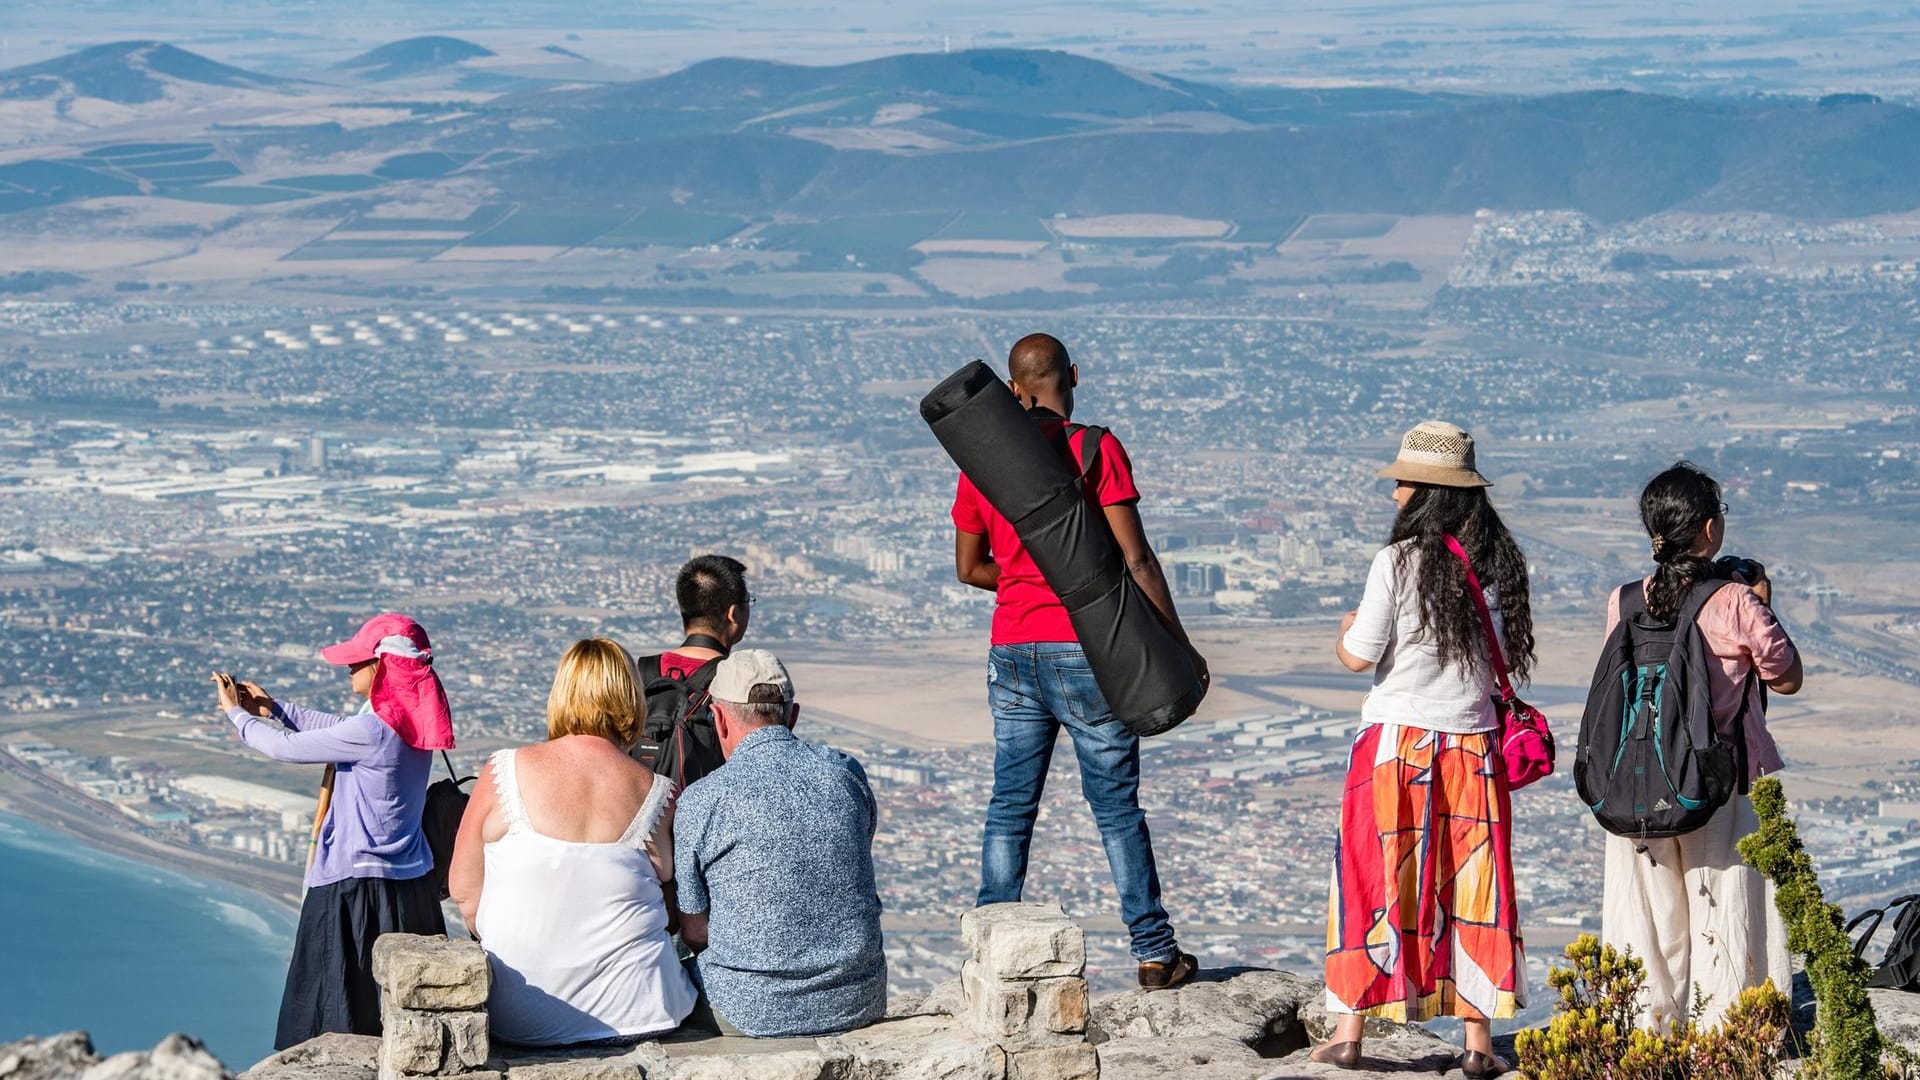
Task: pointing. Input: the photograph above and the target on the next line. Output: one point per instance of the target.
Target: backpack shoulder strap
(700, 678)
(652, 666)
(1633, 600)
(1090, 443)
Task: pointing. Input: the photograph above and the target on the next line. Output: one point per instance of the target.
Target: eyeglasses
(1723, 509)
(752, 599)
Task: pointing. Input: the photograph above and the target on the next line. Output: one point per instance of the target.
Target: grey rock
(1060, 1006)
(57, 1056)
(995, 1008)
(1895, 1012)
(177, 1057)
(918, 1048)
(946, 999)
(1198, 1010)
(743, 1059)
(1254, 1007)
(1153, 1058)
(466, 1040)
(1023, 1011)
(901, 1005)
(362, 1051)
(580, 1069)
(1076, 1062)
(417, 971)
(1407, 1050)
(411, 1044)
(1024, 941)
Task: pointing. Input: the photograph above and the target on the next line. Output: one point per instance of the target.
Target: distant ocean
(129, 953)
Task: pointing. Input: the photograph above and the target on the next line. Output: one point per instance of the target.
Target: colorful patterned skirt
(1422, 920)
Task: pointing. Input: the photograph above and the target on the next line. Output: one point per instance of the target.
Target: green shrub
(1845, 1042)
(1594, 1034)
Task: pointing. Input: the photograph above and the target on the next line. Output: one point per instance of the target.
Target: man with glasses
(715, 608)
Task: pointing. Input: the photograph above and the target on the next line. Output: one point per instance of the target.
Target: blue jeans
(1033, 690)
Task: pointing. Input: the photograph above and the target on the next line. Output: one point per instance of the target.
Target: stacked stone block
(1025, 987)
(433, 1005)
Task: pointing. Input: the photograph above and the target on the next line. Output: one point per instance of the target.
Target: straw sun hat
(1436, 452)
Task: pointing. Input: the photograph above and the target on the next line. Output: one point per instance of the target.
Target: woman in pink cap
(371, 872)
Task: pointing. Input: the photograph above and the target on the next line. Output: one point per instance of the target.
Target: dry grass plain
(1844, 729)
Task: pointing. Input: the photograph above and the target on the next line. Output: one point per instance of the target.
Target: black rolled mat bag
(1146, 676)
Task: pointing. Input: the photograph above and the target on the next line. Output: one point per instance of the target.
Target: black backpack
(1651, 761)
(440, 821)
(679, 741)
(1899, 968)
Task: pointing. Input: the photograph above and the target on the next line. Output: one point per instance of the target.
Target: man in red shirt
(1038, 679)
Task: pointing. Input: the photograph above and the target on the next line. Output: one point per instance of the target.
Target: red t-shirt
(1026, 609)
(678, 665)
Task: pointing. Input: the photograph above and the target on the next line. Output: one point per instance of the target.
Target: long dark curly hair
(1447, 611)
(1675, 506)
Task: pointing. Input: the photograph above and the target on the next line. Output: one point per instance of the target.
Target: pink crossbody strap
(1494, 651)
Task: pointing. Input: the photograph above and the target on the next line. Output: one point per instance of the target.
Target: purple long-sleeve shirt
(372, 828)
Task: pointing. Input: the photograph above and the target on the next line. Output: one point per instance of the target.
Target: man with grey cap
(774, 857)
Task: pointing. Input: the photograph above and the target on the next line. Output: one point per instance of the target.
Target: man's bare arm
(972, 563)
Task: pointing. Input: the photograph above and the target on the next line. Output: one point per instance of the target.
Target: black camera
(1738, 568)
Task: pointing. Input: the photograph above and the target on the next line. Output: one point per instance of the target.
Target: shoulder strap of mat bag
(1092, 436)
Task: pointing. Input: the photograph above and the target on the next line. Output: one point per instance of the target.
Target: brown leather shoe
(1344, 1055)
(1165, 975)
(1479, 1066)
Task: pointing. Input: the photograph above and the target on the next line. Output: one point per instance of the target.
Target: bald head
(1041, 373)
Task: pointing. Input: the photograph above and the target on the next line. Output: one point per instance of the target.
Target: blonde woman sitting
(564, 870)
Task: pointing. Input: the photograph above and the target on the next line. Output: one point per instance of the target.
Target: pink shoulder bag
(1526, 742)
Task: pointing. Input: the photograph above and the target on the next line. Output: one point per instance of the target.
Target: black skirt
(330, 983)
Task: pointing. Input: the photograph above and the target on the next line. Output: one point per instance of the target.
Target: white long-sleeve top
(1410, 684)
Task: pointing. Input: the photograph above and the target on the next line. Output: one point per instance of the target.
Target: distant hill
(1027, 133)
(412, 56)
(126, 73)
(1614, 155)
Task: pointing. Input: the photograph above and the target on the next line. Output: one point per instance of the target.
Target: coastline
(27, 795)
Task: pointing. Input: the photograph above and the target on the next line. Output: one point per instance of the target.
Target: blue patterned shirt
(776, 847)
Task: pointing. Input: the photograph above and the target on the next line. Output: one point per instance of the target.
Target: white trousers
(1695, 914)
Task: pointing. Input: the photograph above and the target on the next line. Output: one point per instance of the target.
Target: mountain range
(1034, 132)
(126, 73)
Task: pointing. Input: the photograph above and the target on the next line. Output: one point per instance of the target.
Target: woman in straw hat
(371, 871)
(1422, 921)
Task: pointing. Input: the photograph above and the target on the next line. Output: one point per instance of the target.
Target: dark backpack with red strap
(678, 740)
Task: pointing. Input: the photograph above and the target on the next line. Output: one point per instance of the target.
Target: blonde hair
(596, 691)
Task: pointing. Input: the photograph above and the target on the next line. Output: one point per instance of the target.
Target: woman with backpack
(1423, 921)
(1687, 905)
(371, 870)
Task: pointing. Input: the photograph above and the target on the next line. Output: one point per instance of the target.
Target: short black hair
(707, 586)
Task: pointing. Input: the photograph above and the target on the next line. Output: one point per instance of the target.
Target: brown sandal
(1344, 1055)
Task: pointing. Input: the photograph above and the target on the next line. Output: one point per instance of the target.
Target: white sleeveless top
(576, 933)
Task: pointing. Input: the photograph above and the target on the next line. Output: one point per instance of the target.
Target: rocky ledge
(1019, 1011)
